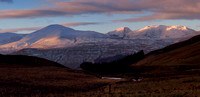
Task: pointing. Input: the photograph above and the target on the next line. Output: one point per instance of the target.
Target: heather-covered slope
(183, 53)
(23, 76)
(178, 59)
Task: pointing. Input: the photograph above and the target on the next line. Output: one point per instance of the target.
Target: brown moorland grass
(50, 81)
(19, 81)
(175, 86)
(183, 53)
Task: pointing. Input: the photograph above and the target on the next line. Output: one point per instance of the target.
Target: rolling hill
(178, 59)
(22, 76)
(186, 52)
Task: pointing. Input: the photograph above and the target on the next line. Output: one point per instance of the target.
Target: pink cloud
(168, 9)
(62, 8)
(162, 9)
(79, 23)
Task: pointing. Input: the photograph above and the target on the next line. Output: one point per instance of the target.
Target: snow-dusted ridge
(9, 37)
(120, 32)
(155, 32)
(163, 32)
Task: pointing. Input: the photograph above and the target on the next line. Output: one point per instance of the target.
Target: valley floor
(19, 81)
(175, 86)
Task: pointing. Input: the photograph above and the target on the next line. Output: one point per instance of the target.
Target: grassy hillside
(180, 58)
(183, 53)
(35, 77)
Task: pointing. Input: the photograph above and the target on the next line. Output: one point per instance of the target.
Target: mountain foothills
(72, 47)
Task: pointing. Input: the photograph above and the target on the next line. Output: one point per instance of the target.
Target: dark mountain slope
(178, 59)
(25, 76)
(186, 52)
(114, 67)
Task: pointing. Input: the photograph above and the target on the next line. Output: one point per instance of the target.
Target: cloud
(79, 23)
(162, 9)
(74, 7)
(168, 9)
(37, 28)
(9, 1)
(162, 16)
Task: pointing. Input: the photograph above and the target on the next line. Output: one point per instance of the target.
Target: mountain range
(161, 72)
(72, 47)
(154, 32)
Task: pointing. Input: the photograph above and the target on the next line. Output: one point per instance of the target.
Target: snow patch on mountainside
(120, 32)
(9, 37)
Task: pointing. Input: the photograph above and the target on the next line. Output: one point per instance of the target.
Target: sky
(26, 16)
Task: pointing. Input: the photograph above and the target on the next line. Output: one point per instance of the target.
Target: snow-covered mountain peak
(165, 28)
(177, 28)
(53, 36)
(152, 27)
(123, 29)
(163, 32)
(120, 32)
(55, 28)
